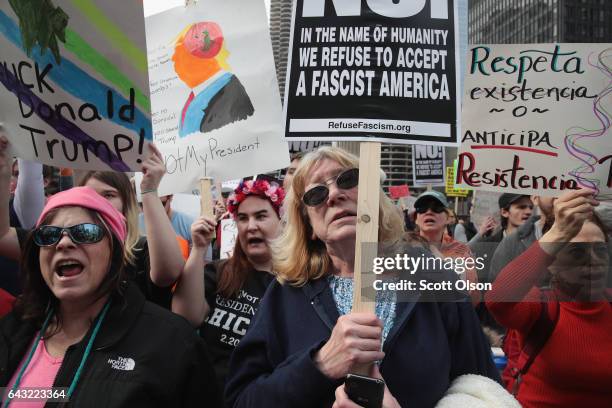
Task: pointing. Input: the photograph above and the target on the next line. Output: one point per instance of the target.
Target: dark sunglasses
(48, 235)
(437, 208)
(318, 194)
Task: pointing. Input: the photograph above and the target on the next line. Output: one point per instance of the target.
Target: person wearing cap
(533, 228)
(81, 330)
(227, 293)
(514, 211)
(431, 218)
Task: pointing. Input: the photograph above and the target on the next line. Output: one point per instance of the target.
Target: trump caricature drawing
(217, 97)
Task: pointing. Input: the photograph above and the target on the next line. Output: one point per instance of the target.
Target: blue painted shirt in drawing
(221, 102)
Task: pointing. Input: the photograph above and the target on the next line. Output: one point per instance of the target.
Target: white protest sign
(157, 6)
(536, 119)
(379, 71)
(231, 184)
(214, 96)
(186, 203)
(229, 233)
(484, 204)
(75, 93)
(428, 165)
(408, 203)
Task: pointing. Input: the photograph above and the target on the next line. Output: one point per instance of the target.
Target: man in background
(295, 162)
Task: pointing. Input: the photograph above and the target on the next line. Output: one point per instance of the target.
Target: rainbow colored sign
(74, 86)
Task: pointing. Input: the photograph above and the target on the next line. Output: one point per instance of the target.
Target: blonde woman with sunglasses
(305, 339)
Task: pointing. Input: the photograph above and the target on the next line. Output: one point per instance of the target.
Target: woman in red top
(574, 367)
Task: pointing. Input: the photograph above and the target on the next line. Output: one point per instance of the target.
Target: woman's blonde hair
(296, 256)
(122, 183)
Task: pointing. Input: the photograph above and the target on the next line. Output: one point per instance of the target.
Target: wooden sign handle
(367, 232)
(206, 201)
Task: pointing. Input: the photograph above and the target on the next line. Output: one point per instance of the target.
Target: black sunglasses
(87, 233)
(318, 194)
(437, 208)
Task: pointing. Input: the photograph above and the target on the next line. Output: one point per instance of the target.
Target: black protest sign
(428, 165)
(375, 70)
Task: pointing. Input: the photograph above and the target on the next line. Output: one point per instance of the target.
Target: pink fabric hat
(88, 198)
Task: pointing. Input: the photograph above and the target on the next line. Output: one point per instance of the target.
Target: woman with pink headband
(232, 288)
(80, 333)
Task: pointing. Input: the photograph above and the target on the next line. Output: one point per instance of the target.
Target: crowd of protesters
(116, 318)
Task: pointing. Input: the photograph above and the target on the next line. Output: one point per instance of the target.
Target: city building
(539, 21)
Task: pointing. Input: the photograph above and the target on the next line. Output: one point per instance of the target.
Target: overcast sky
(156, 6)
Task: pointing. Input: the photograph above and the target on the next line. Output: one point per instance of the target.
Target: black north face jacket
(143, 356)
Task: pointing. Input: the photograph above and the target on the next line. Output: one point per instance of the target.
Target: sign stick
(367, 232)
(206, 203)
(206, 207)
(219, 188)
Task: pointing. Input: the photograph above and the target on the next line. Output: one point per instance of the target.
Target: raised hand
(153, 169)
(202, 231)
(571, 210)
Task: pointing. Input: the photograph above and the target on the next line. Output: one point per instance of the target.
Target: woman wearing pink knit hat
(81, 333)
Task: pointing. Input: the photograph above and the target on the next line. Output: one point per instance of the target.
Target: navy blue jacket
(429, 345)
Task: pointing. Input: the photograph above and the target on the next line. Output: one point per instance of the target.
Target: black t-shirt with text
(229, 319)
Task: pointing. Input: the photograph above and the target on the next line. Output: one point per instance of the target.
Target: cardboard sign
(373, 71)
(537, 119)
(407, 203)
(484, 204)
(450, 189)
(428, 165)
(399, 191)
(214, 96)
(229, 233)
(75, 92)
(231, 184)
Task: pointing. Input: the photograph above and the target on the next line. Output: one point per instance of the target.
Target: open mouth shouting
(256, 241)
(68, 268)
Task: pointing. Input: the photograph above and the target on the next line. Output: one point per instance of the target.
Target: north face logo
(122, 363)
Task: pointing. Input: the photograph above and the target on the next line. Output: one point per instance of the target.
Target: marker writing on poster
(28, 83)
(184, 159)
(529, 61)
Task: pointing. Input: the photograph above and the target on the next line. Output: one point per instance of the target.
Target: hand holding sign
(153, 169)
(355, 339)
(202, 232)
(487, 226)
(220, 210)
(571, 210)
